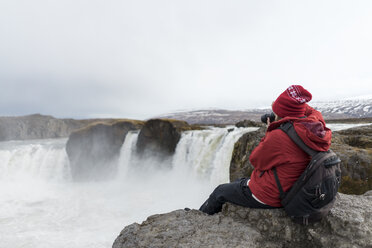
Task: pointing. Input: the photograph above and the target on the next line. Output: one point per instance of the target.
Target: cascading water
(207, 154)
(35, 160)
(40, 206)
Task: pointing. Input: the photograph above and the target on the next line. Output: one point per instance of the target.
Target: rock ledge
(348, 225)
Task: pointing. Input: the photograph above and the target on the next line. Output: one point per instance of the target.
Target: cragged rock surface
(161, 136)
(354, 147)
(349, 224)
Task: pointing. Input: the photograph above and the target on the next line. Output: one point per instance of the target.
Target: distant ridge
(358, 107)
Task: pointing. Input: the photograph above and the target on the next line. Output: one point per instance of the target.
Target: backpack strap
(291, 132)
(282, 194)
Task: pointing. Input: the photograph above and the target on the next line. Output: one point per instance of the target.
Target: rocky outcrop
(360, 137)
(249, 123)
(349, 224)
(161, 136)
(354, 147)
(94, 150)
(240, 165)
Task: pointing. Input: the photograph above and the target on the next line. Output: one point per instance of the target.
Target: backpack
(313, 194)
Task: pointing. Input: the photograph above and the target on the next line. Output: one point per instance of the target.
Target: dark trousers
(236, 192)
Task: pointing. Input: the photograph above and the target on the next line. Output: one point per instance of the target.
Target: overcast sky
(141, 58)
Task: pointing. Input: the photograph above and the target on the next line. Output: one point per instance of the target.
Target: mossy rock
(353, 146)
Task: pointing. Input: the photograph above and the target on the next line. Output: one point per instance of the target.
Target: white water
(41, 207)
(343, 126)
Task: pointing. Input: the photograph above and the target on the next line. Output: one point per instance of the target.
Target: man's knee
(222, 191)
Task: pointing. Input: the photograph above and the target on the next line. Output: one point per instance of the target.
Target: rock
(94, 150)
(353, 146)
(187, 229)
(161, 136)
(249, 123)
(240, 165)
(349, 224)
(360, 137)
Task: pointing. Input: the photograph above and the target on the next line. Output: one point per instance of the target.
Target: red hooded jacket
(277, 149)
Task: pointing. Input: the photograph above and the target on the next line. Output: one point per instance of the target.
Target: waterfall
(34, 160)
(127, 153)
(200, 154)
(203, 154)
(207, 154)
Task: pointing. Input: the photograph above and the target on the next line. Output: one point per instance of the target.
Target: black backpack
(313, 194)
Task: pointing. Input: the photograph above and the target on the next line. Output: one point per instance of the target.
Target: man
(277, 150)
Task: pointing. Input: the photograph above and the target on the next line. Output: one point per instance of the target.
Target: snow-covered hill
(360, 107)
(349, 108)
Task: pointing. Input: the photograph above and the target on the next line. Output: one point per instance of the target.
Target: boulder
(94, 150)
(349, 224)
(249, 123)
(160, 136)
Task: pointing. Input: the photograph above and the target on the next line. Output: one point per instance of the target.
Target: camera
(271, 116)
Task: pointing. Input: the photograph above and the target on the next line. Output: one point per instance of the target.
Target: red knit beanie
(292, 102)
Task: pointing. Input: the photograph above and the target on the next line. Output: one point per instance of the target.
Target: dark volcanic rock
(349, 224)
(161, 136)
(93, 150)
(240, 165)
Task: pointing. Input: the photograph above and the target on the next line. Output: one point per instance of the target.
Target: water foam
(34, 160)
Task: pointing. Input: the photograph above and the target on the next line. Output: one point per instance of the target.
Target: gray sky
(141, 58)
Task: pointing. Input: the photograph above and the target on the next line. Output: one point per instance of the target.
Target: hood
(311, 130)
(314, 134)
